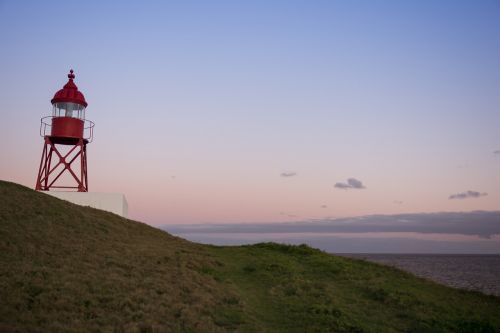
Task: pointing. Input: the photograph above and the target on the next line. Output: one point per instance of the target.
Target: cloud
(497, 152)
(324, 206)
(351, 183)
(467, 195)
(288, 174)
(398, 202)
(480, 223)
(288, 214)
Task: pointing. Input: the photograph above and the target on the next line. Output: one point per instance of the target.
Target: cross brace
(47, 176)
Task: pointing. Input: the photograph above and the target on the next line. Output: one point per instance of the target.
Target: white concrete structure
(111, 202)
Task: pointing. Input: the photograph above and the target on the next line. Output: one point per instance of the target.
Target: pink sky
(199, 109)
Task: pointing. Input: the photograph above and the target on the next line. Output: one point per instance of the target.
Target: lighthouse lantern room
(66, 134)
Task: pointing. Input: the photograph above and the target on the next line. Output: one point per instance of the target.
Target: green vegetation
(69, 268)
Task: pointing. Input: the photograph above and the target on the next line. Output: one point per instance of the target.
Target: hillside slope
(69, 268)
(66, 267)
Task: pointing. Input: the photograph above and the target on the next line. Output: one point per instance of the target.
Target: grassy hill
(69, 268)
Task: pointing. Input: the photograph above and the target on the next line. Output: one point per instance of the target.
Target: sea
(476, 272)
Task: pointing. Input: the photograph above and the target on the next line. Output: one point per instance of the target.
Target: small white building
(110, 202)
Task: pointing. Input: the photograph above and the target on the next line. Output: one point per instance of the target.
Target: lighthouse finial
(71, 75)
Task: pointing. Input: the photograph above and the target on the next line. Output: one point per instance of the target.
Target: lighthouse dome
(69, 93)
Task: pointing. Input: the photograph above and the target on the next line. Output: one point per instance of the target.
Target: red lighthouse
(66, 134)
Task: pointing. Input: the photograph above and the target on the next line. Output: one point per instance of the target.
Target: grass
(69, 268)
(300, 289)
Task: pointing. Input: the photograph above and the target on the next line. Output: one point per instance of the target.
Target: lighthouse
(63, 171)
(66, 134)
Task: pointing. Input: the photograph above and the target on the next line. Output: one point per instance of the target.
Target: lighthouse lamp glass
(68, 109)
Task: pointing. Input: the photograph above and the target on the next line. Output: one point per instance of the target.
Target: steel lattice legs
(47, 176)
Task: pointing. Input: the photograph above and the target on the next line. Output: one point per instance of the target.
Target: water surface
(467, 271)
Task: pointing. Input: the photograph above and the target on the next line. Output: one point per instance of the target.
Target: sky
(264, 111)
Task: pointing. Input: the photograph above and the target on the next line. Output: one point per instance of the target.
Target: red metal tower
(66, 134)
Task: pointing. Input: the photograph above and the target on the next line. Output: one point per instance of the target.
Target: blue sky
(200, 106)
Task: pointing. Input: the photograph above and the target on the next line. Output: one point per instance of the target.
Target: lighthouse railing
(46, 128)
(88, 127)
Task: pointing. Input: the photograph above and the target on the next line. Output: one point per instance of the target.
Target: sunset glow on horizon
(223, 112)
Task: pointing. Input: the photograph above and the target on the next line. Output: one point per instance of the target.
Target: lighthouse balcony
(66, 130)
